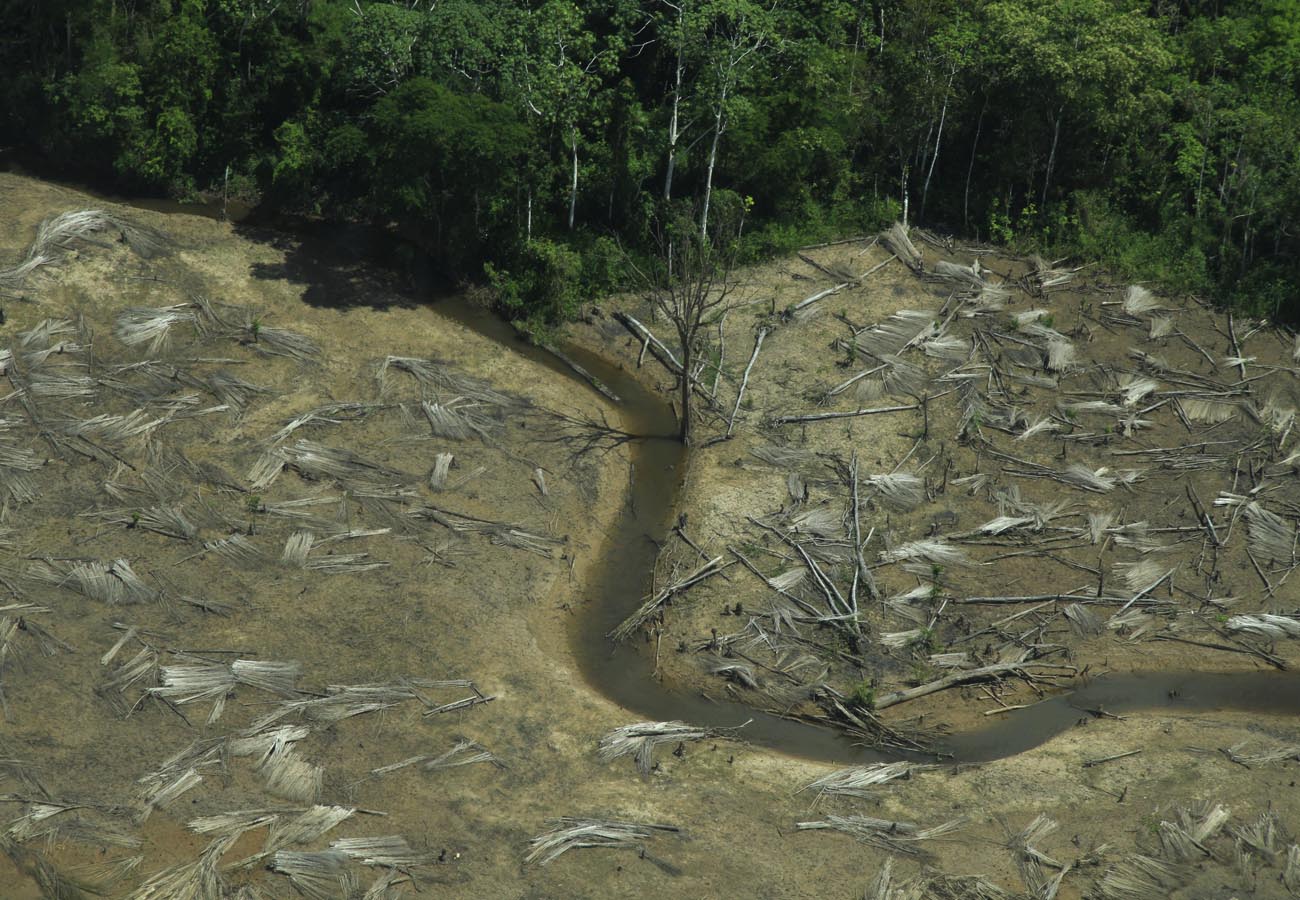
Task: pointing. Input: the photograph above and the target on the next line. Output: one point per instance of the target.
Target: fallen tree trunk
(821, 417)
(896, 697)
(663, 354)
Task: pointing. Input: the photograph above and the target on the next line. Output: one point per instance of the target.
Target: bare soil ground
(149, 549)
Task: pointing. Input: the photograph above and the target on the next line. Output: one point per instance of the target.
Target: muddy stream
(622, 575)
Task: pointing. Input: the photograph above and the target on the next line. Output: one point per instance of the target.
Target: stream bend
(622, 576)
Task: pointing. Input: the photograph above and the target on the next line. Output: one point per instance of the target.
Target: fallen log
(896, 697)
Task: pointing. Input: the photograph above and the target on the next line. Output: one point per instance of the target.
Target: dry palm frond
(947, 347)
(1139, 301)
(103, 876)
(162, 791)
(896, 837)
(151, 325)
(1045, 424)
(641, 739)
(292, 777)
(1029, 317)
(571, 833)
(901, 490)
(114, 428)
(464, 753)
(432, 374)
(991, 298)
(389, 851)
(783, 457)
(1276, 416)
(1003, 524)
(898, 242)
(60, 234)
(236, 548)
(1270, 537)
(1142, 575)
(44, 331)
(1137, 537)
(500, 533)
(1081, 476)
(196, 682)
(1161, 326)
(261, 745)
(1138, 878)
(457, 419)
(114, 582)
(1083, 621)
(935, 552)
(233, 823)
(1203, 820)
(1030, 861)
(305, 827)
(971, 276)
(1266, 626)
(898, 640)
(329, 414)
(317, 874)
(741, 673)
(168, 521)
(66, 352)
(1248, 753)
(18, 459)
(1093, 407)
(898, 378)
(903, 329)
(1062, 355)
(1207, 411)
(234, 392)
(318, 461)
(860, 781)
(1045, 277)
(58, 386)
(266, 675)
(1136, 387)
(265, 470)
(822, 521)
(297, 548)
(280, 342)
(143, 666)
(1264, 836)
(198, 880)
(788, 580)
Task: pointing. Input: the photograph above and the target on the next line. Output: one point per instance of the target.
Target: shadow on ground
(350, 265)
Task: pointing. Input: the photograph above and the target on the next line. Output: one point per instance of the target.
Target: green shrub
(540, 284)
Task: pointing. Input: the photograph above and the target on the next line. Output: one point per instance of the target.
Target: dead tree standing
(689, 281)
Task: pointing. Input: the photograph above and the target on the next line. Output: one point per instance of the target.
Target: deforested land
(300, 570)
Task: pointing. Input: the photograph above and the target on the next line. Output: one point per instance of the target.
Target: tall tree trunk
(970, 168)
(673, 124)
(1051, 157)
(906, 197)
(684, 426)
(573, 188)
(713, 159)
(934, 157)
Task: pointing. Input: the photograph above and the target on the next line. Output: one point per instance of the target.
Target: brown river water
(622, 576)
